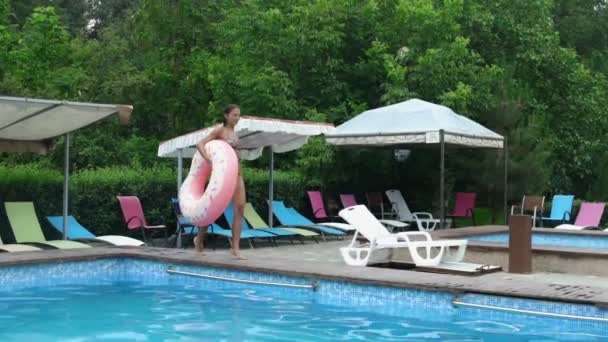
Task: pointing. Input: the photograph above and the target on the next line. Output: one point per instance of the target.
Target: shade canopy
(413, 122)
(27, 125)
(416, 122)
(254, 133)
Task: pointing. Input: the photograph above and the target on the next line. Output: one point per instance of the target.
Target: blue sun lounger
(229, 214)
(77, 232)
(287, 218)
(216, 229)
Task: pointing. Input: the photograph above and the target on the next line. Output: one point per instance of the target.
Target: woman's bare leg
(199, 240)
(238, 201)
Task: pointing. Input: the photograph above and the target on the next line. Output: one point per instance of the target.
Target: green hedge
(29, 183)
(93, 194)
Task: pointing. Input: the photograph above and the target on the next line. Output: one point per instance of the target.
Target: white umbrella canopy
(27, 125)
(413, 122)
(417, 122)
(254, 133)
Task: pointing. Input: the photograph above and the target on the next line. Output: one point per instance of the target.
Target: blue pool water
(132, 300)
(547, 239)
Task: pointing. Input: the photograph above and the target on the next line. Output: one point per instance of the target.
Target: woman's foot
(237, 254)
(198, 246)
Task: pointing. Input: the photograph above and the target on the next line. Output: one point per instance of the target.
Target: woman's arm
(201, 144)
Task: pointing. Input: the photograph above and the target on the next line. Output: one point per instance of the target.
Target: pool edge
(457, 285)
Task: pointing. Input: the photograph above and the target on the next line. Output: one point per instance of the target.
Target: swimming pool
(549, 239)
(131, 299)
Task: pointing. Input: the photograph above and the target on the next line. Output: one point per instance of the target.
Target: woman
(232, 114)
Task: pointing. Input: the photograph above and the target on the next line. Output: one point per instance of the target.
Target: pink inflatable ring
(203, 206)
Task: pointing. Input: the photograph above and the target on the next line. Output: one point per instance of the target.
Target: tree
(7, 41)
(534, 71)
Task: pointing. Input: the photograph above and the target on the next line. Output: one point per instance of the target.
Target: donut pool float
(202, 206)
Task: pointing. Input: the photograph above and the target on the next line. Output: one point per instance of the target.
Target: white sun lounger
(424, 221)
(433, 252)
(391, 224)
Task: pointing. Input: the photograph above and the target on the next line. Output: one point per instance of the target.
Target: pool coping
(499, 284)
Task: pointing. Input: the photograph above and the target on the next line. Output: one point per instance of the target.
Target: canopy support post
(180, 161)
(271, 187)
(442, 178)
(66, 185)
(506, 162)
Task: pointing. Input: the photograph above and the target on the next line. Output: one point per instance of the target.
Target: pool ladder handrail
(457, 302)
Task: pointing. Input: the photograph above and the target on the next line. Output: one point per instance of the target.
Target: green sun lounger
(15, 247)
(26, 227)
(256, 222)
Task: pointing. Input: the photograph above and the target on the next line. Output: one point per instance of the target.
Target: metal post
(66, 188)
(180, 167)
(180, 161)
(506, 162)
(271, 187)
(442, 178)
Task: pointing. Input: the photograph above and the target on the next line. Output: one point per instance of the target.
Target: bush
(95, 204)
(93, 194)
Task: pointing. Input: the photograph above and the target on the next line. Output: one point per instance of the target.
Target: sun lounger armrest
(393, 208)
(470, 212)
(438, 243)
(373, 241)
(513, 207)
(407, 235)
(424, 216)
(393, 223)
(447, 243)
(453, 242)
(141, 224)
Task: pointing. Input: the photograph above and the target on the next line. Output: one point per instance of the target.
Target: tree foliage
(534, 71)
